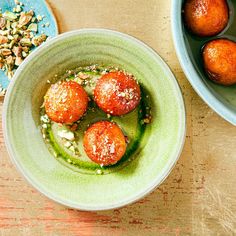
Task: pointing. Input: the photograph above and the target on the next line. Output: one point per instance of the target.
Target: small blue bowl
(40, 7)
(188, 47)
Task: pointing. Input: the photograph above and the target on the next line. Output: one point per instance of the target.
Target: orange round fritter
(104, 143)
(206, 17)
(65, 102)
(117, 93)
(219, 58)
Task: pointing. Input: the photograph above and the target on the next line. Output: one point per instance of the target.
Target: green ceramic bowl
(159, 148)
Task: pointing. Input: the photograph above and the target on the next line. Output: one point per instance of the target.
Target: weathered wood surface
(198, 198)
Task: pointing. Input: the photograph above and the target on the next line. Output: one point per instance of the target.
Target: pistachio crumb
(99, 171)
(39, 17)
(2, 91)
(55, 154)
(18, 30)
(18, 9)
(44, 126)
(33, 27)
(66, 134)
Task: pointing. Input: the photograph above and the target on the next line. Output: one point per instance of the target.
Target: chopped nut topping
(33, 27)
(17, 51)
(18, 61)
(6, 52)
(25, 42)
(2, 22)
(25, 18)
(2, 91)
(9, 15)
(10, 74)
(17, 37)
(99, 171)
(10, 60)
(66, 134)
(39, 17)
(3, 39)
(18, 8)
(83, 75)
(39, 40)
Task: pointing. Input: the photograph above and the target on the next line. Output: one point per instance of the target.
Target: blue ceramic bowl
(40, 7)
(220, 98)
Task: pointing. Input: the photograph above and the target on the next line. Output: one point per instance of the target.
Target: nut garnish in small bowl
(18, 36)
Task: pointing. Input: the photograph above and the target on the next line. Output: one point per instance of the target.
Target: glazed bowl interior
(220, 98)
(160, 146)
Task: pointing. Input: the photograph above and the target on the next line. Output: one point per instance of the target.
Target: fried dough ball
(117, 93)
(219, 58)
(206, 18)
(65, 102)
(104, 143)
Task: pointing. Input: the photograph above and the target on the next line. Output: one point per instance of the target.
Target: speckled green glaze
(159, 149)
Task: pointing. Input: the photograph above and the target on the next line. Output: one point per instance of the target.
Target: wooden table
(197, 198)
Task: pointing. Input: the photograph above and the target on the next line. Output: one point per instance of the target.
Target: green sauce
(132, 124)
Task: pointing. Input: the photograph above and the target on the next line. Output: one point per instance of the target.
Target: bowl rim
(166, 170)
(53, 17)
(189, 70)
